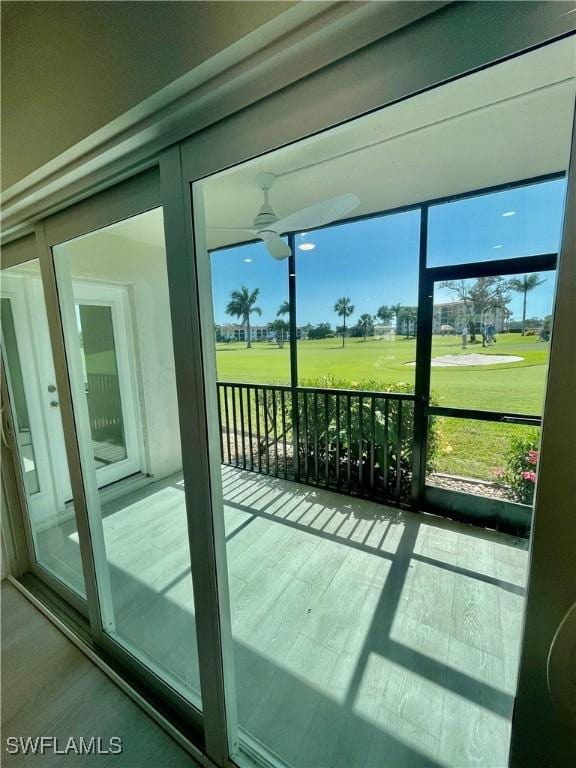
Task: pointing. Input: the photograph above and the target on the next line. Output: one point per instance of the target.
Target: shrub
(338, 442)
(521, 464)
(321, 331)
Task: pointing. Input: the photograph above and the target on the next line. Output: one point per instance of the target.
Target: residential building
(451, 316)
(236, 332)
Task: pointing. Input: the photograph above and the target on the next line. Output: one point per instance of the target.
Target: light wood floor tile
(363, 635)
(50, 688)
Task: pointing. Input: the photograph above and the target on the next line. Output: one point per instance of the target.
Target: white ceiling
(145, 228)
(509, 122)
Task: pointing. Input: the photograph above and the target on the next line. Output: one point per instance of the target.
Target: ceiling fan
(269, 228)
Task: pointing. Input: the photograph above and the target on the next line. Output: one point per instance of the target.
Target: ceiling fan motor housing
(265, 217)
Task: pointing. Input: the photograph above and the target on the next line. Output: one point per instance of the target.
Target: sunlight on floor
(359, 630)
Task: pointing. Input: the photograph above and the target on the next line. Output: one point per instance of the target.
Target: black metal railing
(351, 441)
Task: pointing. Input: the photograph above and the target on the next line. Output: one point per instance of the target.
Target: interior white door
(104, 328)
(108, 366)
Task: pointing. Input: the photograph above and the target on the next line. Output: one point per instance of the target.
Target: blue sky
(375, 261)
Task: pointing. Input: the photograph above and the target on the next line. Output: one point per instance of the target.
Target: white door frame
(130, 197)
(116, 297)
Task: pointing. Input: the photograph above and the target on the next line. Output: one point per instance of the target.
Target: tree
(280, 329)
(321, 331)
(241, 305)
(409, 315)
(284, 309)
(524, 285)
(396, 310)
(506, 315)
(365, 325)
(384, 313)
(344, 308)
(483, 295)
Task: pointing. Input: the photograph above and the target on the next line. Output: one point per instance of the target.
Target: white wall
(141, 267)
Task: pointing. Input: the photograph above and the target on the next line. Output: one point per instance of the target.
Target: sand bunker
(446, 361)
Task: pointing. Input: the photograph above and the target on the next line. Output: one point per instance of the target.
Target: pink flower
(531, 476)
(533, 457)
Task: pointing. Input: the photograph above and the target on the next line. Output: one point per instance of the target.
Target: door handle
(51, 388)
(561, 659)
(54, 403)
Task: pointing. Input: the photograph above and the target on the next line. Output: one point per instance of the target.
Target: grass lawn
(476, 447)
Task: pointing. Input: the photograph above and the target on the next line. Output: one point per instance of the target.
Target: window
(522, 221)
(357, 296)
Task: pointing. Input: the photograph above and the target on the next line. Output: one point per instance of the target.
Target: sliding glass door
(113, 300)
(421, 249)
(89, 377)
(34, 402)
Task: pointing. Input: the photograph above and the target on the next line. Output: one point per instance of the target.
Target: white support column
(192, 329)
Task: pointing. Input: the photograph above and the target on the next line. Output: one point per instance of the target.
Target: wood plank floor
(363, 635)
(50, 688)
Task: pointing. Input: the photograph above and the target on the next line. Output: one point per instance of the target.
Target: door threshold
(122, 487)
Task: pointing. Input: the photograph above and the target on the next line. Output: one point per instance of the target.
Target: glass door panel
(490, 348)
(361, 634)
(102, 385)
(113, 293)
(36, 417)
(490, 342)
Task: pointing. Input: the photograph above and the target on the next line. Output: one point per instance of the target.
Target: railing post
(293, 355)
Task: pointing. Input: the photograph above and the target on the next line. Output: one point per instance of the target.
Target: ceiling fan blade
(235, 229)
(276, 247)
(318, 214)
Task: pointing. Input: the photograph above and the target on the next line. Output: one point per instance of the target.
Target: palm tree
(365, 323)
(396, 310)
(344, 308)
(384, 313)
(524, 285)
(409, 314)
(284, 309)
(280, 330)
(241, 305)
